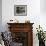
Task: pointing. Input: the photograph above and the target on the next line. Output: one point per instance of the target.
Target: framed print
(20, 10)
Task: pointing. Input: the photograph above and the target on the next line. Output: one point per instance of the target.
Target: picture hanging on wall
(20, 10)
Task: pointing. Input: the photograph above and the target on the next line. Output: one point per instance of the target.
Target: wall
(43, 6)
(0, 15)
(43, 14)
(34, 14)
(33, 10)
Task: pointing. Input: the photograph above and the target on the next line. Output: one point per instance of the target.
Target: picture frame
(20, 10)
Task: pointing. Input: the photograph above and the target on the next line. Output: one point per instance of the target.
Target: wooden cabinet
(22, 33)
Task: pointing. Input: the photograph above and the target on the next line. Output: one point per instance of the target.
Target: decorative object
(20, 10)
(13, 21)
(27, 21)
(41, 36)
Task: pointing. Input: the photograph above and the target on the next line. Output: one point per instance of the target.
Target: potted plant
(41, 36)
